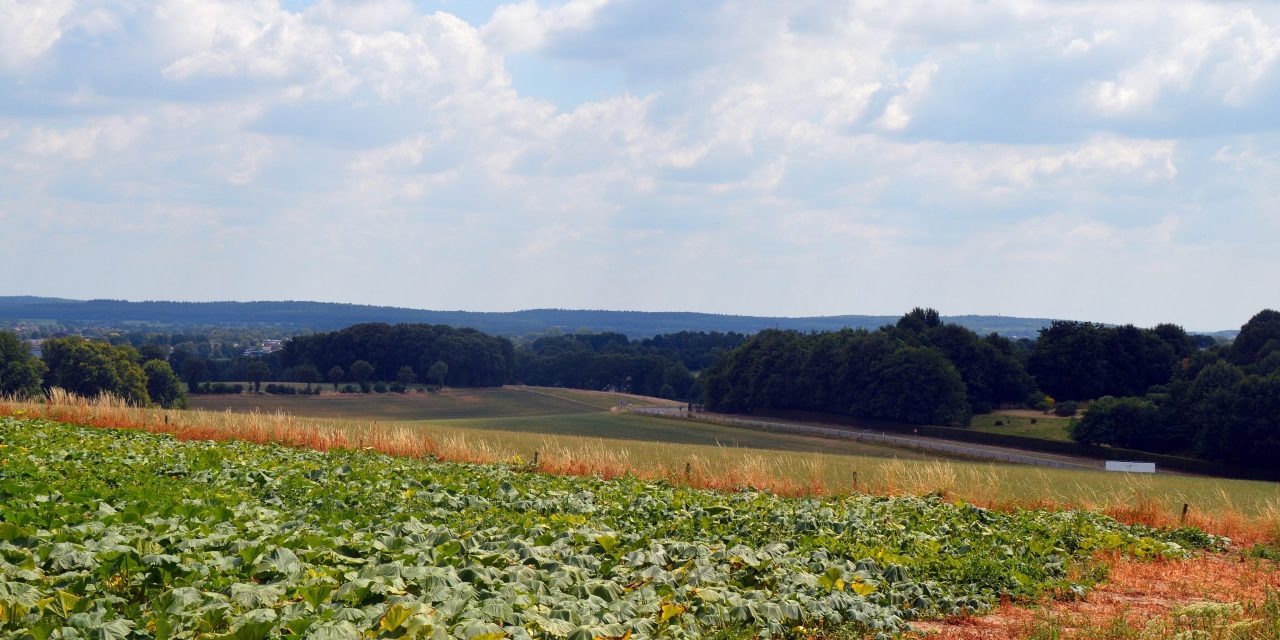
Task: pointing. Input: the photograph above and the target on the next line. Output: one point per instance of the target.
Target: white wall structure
(1131, 467)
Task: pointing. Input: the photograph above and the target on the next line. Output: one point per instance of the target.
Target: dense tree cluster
(1082, 360)
(21, 373)
(919, 371)
(658, 366)
(87, 368)
(1220, 404)
(364, 353)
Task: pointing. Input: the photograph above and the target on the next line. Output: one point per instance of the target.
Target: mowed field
(516, 422)
(508, 416)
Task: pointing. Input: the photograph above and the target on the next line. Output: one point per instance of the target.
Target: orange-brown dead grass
(1136, 594)
(397, 440)
(896, 478)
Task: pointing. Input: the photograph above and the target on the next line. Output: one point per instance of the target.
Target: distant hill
(325, 316)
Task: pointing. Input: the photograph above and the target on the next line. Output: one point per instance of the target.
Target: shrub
(397, 387)
(999, 423)
(379, 387)
(348, 388)
(1066, 408)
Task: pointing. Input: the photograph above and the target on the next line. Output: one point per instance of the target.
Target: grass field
(446, 404)
(1241, 509)
(1046, 427)
(624, 427)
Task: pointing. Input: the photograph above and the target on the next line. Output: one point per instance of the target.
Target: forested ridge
(300, 316)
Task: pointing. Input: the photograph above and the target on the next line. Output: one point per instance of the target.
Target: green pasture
(1046, 427)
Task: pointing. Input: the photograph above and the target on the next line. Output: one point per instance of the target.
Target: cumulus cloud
(28, 29)
(861, 147)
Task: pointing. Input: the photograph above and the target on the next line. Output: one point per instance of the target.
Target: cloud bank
(1113, 161)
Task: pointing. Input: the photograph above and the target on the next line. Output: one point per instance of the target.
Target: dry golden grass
(1144, 600)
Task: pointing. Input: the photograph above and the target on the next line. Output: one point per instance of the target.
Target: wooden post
(535, 459)
(855, 480)
(688, 469)
(1185, 506)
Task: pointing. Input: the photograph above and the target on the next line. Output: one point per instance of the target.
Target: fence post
(1185, 506)
(535, 459)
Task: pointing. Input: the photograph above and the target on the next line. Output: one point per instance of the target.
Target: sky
(1111, 161)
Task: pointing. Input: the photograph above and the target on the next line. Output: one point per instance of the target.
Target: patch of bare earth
(1135, 594)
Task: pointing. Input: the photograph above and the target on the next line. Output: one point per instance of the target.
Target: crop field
(120, 534)
(623, 427)
(443, 405)
(1244, 510)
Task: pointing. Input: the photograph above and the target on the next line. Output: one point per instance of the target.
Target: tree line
(918, 370)
(88, 368)
(658, 366)
(1219, 403)
(1159, 389)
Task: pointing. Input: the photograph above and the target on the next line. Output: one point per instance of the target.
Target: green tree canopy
(20, 372)
(90, 368)
(163, 385)
(257, 371)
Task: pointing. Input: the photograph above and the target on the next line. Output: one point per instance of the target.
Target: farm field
(1241, 509)
(443, 405)
(118, 534)
(1047, 427)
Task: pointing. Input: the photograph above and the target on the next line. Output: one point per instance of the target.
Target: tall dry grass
(980, 485)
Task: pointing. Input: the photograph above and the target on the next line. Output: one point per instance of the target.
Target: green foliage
(475, 359)
(20, 372)
(257, 371)
(902, 373)
(90, 368)
(163, 386)
(1124, 422)
(113, 533)
(1083, 360)
(1066, 409)
(438, 373)
(920, 386)
(609, 360)
(1259, 337)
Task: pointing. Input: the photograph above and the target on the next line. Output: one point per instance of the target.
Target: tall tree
(194, 370)
(361, 371)
(257, 371)
(1258, 337)
(20, 372)
(163, 385)
(336, 374)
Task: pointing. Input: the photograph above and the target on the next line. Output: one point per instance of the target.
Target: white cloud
(1207, 56)
(28, 29)
(101, 136)
(729, 151)
(527, 26)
